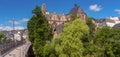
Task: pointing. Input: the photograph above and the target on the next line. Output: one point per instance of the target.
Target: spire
(75, 5)
(43, 6)
(44, 10)
(76, 9)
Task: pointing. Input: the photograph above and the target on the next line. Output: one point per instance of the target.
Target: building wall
(115, 21)
(57, 19)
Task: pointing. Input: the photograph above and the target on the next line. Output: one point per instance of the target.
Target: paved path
(19, 51)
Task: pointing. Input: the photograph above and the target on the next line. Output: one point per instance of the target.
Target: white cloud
(117, 10)
(19, 28)
(9, 28)
(95, 7)
(24, 20)
(17, 25)
(16, 22)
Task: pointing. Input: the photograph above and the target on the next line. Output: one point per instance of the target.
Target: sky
(21, 10)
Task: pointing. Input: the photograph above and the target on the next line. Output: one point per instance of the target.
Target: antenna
(13, 28)
(13, 24)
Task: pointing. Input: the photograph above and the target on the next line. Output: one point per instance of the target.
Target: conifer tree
(39, 31)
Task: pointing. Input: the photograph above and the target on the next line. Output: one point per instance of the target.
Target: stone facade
(111, 21)
(56, 20)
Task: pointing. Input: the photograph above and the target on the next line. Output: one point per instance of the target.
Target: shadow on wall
(30, 52)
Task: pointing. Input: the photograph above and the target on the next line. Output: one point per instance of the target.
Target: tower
(78, 12)
(44, 10)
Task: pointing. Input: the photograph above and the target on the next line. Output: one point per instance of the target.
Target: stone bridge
(16, 49)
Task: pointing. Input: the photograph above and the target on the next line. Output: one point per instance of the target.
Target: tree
(68, 43)
(90, 24)
(106, 41)
(1, 36)
(116, 42)
(73, 17)
(30, 26)
(39, 31)
(88, 38)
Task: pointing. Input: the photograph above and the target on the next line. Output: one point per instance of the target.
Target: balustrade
(7, 45)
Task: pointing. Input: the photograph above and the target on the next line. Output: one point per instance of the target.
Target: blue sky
(20, 10)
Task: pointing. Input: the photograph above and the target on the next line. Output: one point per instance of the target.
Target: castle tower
(44, 10)
(79, 12)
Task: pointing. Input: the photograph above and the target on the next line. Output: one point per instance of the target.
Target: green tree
(39, 31)
(73, 17)
(1, 36)
(88, 44)
(88, 38)
(30, 26)
(116, 41)
(68, 43)
(106, 42)
(90, 24)
(49, 49)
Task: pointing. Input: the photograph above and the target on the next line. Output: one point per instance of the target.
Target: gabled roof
(76, 10)
(59, 28)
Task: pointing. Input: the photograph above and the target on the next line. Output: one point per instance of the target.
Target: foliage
(49, 49)
(88, 44)
(39, 31)
(91, 25)
(68, 43)
(30, 26)
(88, 38)
(73, 17)
(1, 36)
(107, 42)
(76, 39)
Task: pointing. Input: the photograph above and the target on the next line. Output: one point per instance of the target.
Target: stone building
(111, 21)
(57, 20)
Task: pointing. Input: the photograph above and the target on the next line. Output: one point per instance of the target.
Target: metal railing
(7, 45)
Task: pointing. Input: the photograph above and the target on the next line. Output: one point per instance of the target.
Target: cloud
(17, 22)
(95, 8)
(24, 20)
(17, 25)
(9, 28)
(19, 28)
(117, 10)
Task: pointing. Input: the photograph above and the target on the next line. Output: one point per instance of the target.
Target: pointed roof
(44, 7)
(54, 13)
(76, 10)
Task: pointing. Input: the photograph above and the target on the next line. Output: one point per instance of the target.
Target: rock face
(56, 20)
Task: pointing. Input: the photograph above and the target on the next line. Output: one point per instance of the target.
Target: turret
(78, 12)
(44, 10)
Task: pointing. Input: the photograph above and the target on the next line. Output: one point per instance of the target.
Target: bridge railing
(7, 45)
